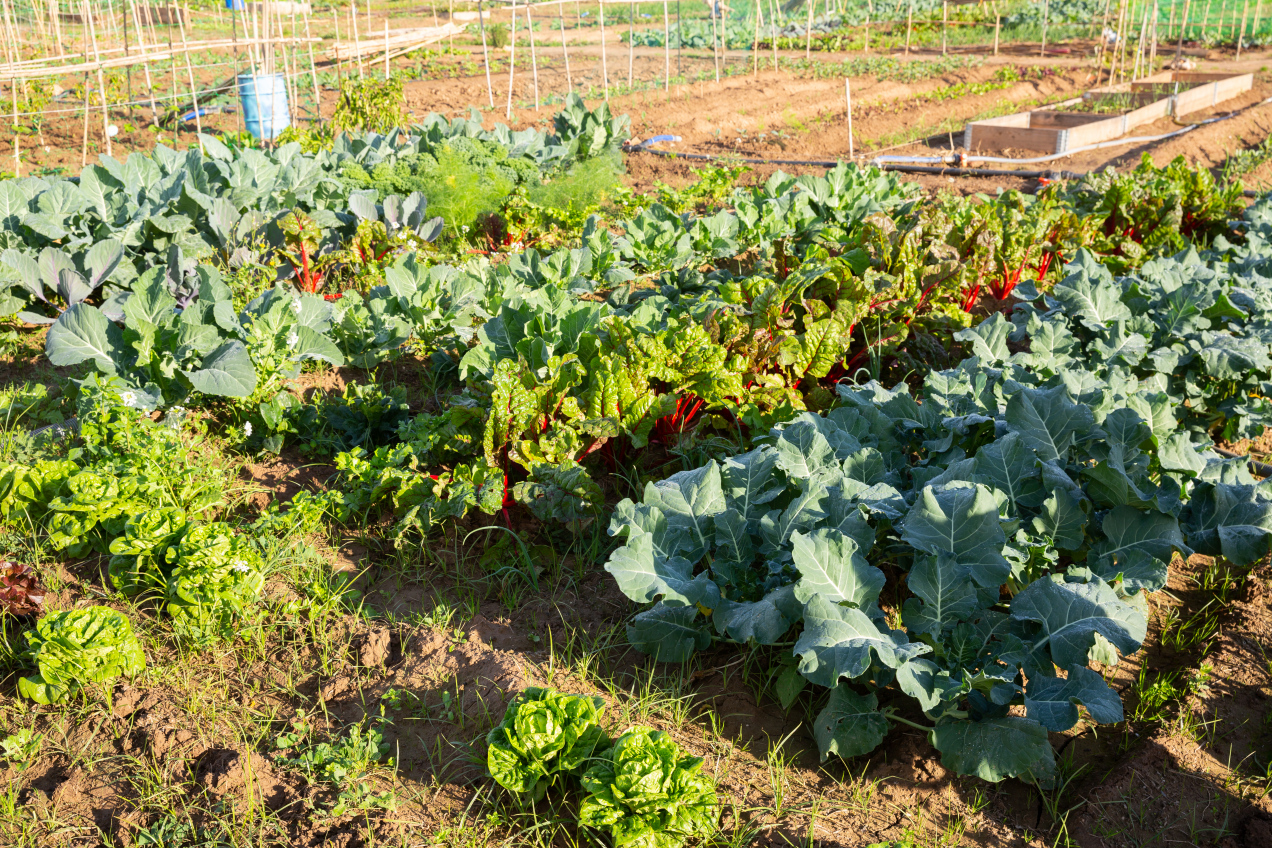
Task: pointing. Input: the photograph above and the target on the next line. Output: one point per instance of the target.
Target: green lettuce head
(543, 734)
(648, 794)
(73, 648)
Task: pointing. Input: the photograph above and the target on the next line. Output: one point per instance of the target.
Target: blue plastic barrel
(264, 99)
(237, 5)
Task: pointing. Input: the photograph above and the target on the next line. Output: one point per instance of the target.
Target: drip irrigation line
(1259, 469)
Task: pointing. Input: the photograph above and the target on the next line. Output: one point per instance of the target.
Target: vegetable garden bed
(906, 463)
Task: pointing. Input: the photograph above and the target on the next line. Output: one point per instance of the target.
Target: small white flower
(128, 398)
(465, 228)
(247, 429)
(296, 305)
(292, 338)
(240, 566)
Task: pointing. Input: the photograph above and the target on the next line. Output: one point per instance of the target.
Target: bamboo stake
(998, 22)
(84, 149)
(808, 36)
(715, 36)
(945, 24)
(909, 25)
(1258, 8)
(335, 19)
(450, 18)
(775, 31)
(238, 62)
(1152, 57)
(101, 81)
(313, 74)
(631, 42)
(1245, 7)
(604, 57)
(57, 26)
(289, 72)
(1179, 47)
(666, 49)
(565, 51)
(754, 42)
(848, 108)
(534, 62)
(1205, 17)
(1139, 47)
(353, 22)
(387, 73)
(150, 89)
(485, 53)
(194, 92)
(512, 57)
(1046, 14)
(869, 13)
(368, 17)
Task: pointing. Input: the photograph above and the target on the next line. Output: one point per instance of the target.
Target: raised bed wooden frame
(1056, 131)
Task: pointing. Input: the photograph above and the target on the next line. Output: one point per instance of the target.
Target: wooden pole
(667, 49)
(1139, 47)
(1179, 46)
(534, 62)
(84, 149)
(357, 43)
(998, 22)
(604, 56)
(775, 31)
(869, 12)
(1258, 8)
(145, 66)
(565, 51)
(1245, 7)
(909, 25)
(101, 80)
(335, 19)
(1152, 58)
(313, 75)
(945, 25)
(1046, 14)
(631, 43)
(715, 38)
(387, 71)
(1205, 19)
(848, 108)
(485, 53)
(194, 93)
(512, 58)
(808, 36)
(755, 42)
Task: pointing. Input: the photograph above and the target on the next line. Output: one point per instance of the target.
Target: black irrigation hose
(1259, 469)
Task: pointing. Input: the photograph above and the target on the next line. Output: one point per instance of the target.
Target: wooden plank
(1154, 111)
(1018, 119)
(981, 136)
(1093, 133)
(1062, 120)
(1195, 99)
